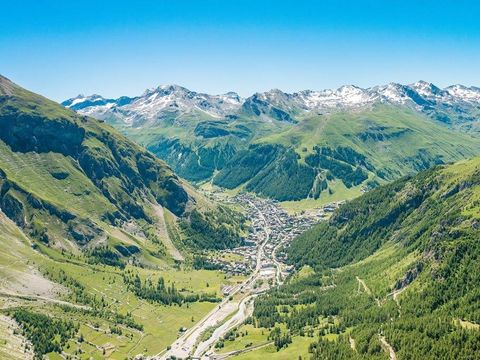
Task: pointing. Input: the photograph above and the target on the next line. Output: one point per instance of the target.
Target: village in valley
(261, 261)
(281, 227)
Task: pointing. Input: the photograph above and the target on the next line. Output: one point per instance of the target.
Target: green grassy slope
(78, 175)
(81, 210)
(390, 137)
(396, 267)
(113, 322)
(364, 148)
(318, 156)
(197, 146)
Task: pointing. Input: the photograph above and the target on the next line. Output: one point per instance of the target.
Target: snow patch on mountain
(471, 94)
(176, 102)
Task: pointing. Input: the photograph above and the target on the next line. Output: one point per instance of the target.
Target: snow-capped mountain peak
(81, 101)
(427, 89)
(165, 90)
(466, 93)
(175, 101)
(155, 104)
(393, 92)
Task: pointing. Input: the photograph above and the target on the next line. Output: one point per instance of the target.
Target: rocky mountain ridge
(167, 101)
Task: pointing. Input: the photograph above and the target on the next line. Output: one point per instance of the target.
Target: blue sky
(62, 48)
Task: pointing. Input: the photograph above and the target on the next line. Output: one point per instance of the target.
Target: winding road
(239, 302)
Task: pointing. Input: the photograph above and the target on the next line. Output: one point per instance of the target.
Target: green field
(253, 337)
(161, 323)
(298, 349)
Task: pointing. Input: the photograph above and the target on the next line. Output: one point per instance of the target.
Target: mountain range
(170, 100)
(325, 145)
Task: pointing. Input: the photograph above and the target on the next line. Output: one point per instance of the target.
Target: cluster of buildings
(272, 228)
(233, 267)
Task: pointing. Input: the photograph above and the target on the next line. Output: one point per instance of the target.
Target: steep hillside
(97, 238)
(360, 149)
(325, 145)
(395, 271)
(79, 176)
(53, 302)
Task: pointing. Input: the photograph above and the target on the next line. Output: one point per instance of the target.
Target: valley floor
(127, 326)
(117, 324)
(272, 228)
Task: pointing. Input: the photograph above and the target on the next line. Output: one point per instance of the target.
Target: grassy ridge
(370, 147)
(66, 178)
(271, 158)
(75, 172)
(81, 211)
(396, 267)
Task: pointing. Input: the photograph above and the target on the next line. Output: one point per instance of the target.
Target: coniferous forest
(397, 265)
